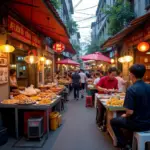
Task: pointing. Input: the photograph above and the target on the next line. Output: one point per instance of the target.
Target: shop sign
(58, 47)
(22, 33)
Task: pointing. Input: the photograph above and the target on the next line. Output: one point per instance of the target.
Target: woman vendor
(13, 80)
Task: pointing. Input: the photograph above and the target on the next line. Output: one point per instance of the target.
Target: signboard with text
(22, 33)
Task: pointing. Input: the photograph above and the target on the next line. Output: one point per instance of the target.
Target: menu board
(3, 68)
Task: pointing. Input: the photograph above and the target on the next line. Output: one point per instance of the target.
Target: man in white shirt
(83, 81)
(121, 82)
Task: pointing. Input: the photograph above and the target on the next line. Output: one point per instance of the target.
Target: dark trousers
(120, 123)
(100, 116)
(76, 88)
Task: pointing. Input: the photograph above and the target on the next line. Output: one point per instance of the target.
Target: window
(147, 4)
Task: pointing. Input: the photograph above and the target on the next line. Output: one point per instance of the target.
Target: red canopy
(43, 17)
(68, 62)
(97, 56)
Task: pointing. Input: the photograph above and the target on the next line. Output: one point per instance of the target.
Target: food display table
(32, 107)
(111, 112)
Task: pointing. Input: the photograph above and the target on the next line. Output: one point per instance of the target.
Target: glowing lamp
(143, 47)
(6, 48)
(48, 62)
(31, 59)
(128, 58)
(112, 61)
(42, 59)
(121, 60)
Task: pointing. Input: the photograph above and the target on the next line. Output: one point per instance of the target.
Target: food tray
(27, 104)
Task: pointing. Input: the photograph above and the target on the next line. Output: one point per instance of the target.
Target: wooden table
(111, 112)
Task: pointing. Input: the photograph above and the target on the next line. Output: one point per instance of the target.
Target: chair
(89, 102)
(142, 138)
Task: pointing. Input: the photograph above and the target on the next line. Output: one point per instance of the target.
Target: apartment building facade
(100, 26)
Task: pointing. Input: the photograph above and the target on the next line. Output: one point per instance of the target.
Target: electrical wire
(87, 8)
(86, 19)
(95, 23)
(84, 13)
(77, 4)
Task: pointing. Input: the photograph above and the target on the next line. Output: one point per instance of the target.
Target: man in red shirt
(107, 84)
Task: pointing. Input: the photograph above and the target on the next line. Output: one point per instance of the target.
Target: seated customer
(107, 84)
(137, 103)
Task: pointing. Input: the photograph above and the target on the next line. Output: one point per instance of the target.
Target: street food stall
(114, 108)
(32, 99)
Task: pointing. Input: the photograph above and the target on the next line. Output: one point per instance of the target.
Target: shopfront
(127, 43)
(24, 41)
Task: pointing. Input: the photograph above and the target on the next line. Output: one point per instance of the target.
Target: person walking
(83, 81)
(76, 84)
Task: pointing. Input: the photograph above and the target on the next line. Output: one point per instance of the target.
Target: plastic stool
(89, 102)
(142, 138)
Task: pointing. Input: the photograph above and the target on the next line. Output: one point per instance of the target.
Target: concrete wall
(139, 7)
(4, 88)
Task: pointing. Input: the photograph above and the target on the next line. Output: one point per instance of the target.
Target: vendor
(107, 84)
(13, 80)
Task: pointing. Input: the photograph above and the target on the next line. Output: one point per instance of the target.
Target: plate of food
(44, 102)
(105, 97)
(103, 100)
(10, 101)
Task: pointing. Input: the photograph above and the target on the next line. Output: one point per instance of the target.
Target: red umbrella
(97, 56)
(68, 62)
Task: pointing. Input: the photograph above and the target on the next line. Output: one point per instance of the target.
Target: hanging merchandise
(32, 57)
(6, 48)
(58, 47)
(143, 47)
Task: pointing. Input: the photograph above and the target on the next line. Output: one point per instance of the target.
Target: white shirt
(121, 84)
(83, 77)
(96, 81)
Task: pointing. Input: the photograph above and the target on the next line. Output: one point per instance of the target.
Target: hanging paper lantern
(143, 47)
(128, 58)
(58, 47)
(32, 57)
(48, 62)
(42, 59)
(112, 61)
(6, 48)
(121, 60)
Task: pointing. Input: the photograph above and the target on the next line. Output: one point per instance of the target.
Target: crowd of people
(137, 114)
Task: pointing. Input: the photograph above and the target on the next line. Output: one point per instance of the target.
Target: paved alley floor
(78, 132)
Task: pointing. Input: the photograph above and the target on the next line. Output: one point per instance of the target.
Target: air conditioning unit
(35, 127)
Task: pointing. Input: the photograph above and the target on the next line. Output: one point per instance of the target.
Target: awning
(131, 27)
(68, 62)
(44, 18)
